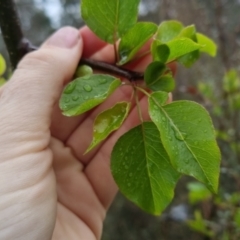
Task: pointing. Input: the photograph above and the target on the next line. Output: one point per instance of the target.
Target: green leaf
(160, 52)
(134, 39)
(181, 46)
(87, 92)
(231, 81)
(188, 59)
(110, 20)
(155, 79)
(108, 121)
(168, 30)
(141, 168)
(2, 65)
(83, 70)
(237, 217)
(188, 32)
(188, 136)
(208, 44)
(199, 224)
(198, 192)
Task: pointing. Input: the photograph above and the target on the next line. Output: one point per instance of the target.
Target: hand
(48, 188)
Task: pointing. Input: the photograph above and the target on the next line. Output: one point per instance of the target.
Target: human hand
(48, 188)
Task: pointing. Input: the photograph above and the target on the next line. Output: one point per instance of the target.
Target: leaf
(83, 70)
(110, 19)
(199, 225)
(198, 192)
(188, 59)
(188, 136)
(141, 168)
(134, 39)
(87, 92)
(208, 44)
(108, 121)
(160, 52)
(181, 46)
(231, 81)
(2, 65)
(168, 30)
(155, 79)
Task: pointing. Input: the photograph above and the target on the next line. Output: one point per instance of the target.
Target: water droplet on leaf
(70, 87)
(180, 136)
(102, 80)
(75, 98)
(87, 88)
(67, 100)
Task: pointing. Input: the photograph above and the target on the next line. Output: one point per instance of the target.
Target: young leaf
(2, 65)
(110, 20)
(181, 46)
(168, 30)
(209, 46)
(134, 39)
(188, 136)
(160, 52)
(155, 79)
(107, 122)
(188, 59)
(142, 170)
(85, 93)
(188, 32)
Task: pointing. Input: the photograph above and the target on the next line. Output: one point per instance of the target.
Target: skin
(48, 188)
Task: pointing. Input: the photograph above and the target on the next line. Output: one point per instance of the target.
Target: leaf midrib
(167, 116)
(148, 172)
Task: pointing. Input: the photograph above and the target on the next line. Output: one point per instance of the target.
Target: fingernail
(66, 37)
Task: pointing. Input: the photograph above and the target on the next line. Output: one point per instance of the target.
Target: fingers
(98, 171)
(92, 43)
(27, 99)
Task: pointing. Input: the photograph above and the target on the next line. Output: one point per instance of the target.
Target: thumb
(27, 100)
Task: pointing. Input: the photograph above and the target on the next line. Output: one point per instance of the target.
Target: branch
(110, 68)
(17, 45)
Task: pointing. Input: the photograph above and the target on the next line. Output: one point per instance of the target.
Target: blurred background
(213, 82)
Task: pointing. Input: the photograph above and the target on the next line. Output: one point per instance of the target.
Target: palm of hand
(62, 190)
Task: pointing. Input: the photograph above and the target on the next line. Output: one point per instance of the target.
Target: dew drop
(163, 119)
(86, 98)
(87, 88)
(205, 131)
(126, 166)
(170, 138)
(130, 174)
(199, 120)
(67, 100)
(102, 80)
(75, 98)
(129, 184)
(180, 136)
(70, 87)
